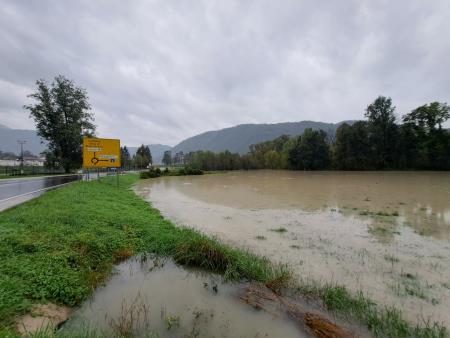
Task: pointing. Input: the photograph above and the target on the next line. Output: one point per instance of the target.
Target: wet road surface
(16, 191)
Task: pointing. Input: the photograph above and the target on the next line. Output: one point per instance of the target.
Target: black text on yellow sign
(101, 153)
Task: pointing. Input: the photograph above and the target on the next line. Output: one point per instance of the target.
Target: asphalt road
(18, 190)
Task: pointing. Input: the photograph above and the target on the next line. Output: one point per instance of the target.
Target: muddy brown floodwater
(385, 233)
(157, 298)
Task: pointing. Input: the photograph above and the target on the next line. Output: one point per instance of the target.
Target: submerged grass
(382, 322)
(280, 230)
(60, 246)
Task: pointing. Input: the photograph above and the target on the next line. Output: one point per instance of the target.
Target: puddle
(166, 300)
(363, 230)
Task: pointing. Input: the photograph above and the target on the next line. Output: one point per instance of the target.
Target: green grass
(377, 213)
(382, 322)
(62, 245)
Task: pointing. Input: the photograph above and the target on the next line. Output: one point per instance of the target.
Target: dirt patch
(43, 317)
(263, 298)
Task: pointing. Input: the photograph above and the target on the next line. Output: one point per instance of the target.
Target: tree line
(62, 115)
(377, 143)
(140, 160)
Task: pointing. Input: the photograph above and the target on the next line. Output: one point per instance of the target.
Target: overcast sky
(160, 71)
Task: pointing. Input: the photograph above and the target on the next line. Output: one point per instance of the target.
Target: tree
(431, 142)
(62, 117)
(271, 153)
(125, 158)
(311, 151)
(429, 117)
(272, 159)
(167, 158)
(143, 156)
(178, 158)
(383, 131)
(352, 150)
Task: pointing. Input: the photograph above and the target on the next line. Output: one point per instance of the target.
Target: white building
(35, 162)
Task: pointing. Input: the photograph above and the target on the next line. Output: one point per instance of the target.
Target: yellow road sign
(101, 152)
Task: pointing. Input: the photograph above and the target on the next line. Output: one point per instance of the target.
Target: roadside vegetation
(157, 172)
(60, 246)
(63, 244)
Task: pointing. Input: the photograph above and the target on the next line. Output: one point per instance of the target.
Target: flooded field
(155, 298)
(387, 233)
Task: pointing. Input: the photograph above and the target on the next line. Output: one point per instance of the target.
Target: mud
(158, 297)
(43, 317)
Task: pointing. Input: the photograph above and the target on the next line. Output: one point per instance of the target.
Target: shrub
(151, 173)
(189, 171)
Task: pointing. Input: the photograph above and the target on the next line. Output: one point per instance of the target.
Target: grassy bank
(60, 246)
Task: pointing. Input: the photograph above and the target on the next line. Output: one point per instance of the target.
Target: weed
(386, 322)
(260, 237)
(172, 321)
(382, 213)
(391, 259)
(446, 285)
(133, 318)
(435, 301)
(279, 230)
(382, 231)
(409, 285)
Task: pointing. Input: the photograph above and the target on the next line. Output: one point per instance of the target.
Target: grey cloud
(160, 71)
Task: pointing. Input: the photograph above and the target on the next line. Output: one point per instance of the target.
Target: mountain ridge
(238, 138)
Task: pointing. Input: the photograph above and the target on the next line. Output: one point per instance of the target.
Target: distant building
(32, 161)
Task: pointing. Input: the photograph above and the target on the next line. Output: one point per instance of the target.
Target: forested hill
(238, 139)
(235, 139)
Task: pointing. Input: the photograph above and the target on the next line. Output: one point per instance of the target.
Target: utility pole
(21, 142)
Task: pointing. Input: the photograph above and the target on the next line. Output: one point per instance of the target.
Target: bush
(151, 173)
(189, 171)
(157, 172)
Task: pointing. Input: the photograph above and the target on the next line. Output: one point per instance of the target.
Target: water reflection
(417, 199)
(160, 298)
(361, 229)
